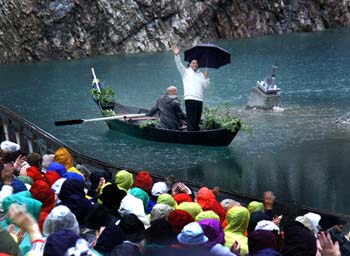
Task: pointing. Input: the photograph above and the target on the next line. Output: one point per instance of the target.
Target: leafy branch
(105, 96)
(149, 123)
(221, 117)
(108, 112)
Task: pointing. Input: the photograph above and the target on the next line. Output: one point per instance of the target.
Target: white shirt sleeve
(206, 83)
(180, 67)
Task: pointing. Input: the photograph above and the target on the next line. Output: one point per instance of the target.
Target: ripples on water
(301, 154)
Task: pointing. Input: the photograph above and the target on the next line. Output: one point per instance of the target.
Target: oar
(80, 121)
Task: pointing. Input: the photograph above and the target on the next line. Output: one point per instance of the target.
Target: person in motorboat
(169, 110)
(194, 82)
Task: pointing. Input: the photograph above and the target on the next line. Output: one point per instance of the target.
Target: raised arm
(180, 67)
(24, 220)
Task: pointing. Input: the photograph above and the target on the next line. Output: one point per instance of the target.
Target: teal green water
(301, 154)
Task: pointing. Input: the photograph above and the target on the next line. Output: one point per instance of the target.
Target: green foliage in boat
(108, 112)
(106, 97)
(222, 117)
(149, 123)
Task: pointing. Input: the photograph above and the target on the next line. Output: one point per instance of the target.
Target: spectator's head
(9, 146)
(124, 180)
(160, 211)
(47, 160)
(255, 206)
(160, 232)
(237, 219)
(255, 217)
(34, 159)
(310, 220)
(57, 167)
(60, 218)
(167, 199)
(228, 203)
(192, 234)
(261, 239)
(144, 181)
(8, 246)
(159, 188)
(182, 197)
(213, 230)
(207, 215)
(112, 196)
(59, 242)
(179, 219)
(192, 208)
(132, 227)
(63, 157)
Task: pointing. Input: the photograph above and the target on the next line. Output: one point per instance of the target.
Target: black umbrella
(208, 55)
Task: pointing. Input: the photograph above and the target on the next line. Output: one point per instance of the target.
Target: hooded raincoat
(237, 222)
(169, 111)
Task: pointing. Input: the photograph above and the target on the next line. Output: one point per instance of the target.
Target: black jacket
(169, 112)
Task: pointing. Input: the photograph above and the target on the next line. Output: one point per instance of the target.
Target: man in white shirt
(194, 82)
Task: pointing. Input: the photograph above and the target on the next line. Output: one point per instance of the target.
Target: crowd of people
(50, 205)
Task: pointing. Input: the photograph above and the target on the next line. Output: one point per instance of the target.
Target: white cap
(9, 146)
(267, 225)
(159, 188)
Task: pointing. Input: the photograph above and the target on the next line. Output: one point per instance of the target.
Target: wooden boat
(132, 127)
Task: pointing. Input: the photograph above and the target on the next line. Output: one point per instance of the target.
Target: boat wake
(344, 119)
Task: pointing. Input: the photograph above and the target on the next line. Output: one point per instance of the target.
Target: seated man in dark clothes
(169, 110)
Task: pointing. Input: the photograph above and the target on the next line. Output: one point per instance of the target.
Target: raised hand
(277, 219)
(176, 50)
(101, 183)
(269, 200)
(19, 161)
(216, 191)
(236, 248)
(206, 74)
(19, 234)
(25, 221)
(326, 247)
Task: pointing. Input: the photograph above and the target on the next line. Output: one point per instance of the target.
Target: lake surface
(301, 154)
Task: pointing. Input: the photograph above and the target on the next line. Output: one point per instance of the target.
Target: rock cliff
(64, 29)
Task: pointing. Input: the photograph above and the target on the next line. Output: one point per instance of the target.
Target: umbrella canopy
(208, 55)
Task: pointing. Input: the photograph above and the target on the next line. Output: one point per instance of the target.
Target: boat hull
(215, 137)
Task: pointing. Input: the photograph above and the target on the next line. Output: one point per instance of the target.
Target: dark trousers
(193, 114)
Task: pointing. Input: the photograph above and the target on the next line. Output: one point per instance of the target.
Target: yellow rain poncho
(124, 180)
(167, 199)
(63, 157)
(205, 215)
(255, 206)
(191, 207)
(237, 222)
